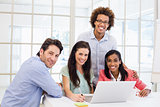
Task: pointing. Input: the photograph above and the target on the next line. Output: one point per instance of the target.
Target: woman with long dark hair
(115, 71)
(77, 75)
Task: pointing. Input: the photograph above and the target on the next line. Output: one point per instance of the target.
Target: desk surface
(153, 100)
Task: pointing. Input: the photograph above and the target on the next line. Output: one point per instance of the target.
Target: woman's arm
(139, 84)
(101, 76)
(68, 92)
(92, 91)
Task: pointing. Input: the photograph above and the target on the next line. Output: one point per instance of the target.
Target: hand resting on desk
(77, 97)
(144, 93)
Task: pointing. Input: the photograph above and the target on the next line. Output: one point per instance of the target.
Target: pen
(81, 94)
(80, 91)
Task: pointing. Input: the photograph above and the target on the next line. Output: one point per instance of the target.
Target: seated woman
(115, 71)
(77, 76)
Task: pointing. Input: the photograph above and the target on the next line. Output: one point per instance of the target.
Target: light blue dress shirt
(98, 50)
(28, 85)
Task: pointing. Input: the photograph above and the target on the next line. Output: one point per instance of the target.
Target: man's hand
(135, 75)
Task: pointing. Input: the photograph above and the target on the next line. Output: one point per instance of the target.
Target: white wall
(158, 9)
(156, 68)
(156, 62)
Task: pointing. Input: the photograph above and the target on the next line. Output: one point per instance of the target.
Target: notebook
(111, 91)
(81, 104)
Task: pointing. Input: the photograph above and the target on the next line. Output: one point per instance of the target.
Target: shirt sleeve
(81, 37)
(101, 75)
(41, 78)
(64, 71)
(114, 44)
(139, 84)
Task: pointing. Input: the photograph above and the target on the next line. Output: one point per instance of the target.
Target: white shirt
(113, 79)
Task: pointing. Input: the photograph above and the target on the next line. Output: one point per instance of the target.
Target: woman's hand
(77, 97)
(60, 84)
(144, 93)
(68, 92)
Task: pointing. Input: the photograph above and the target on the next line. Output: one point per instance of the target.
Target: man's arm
(135, 75)
(43, 79)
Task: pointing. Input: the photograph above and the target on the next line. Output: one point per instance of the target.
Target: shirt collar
(42, 61)
(113, 79)
(103, 39)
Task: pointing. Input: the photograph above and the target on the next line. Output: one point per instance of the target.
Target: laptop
(111, 91)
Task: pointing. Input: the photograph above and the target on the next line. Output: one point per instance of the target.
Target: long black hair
(86, 66)
(123, 72)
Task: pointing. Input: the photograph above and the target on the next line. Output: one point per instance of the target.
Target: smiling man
(33, 78)
(102, 19)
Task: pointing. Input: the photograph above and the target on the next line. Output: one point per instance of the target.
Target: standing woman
(77, 76)
(115, 71)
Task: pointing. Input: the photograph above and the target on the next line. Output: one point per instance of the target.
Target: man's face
(101, 24)
(50, 55)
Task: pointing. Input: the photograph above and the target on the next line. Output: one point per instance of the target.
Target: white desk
(153, 100)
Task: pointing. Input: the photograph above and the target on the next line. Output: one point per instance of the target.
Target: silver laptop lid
(112, 91)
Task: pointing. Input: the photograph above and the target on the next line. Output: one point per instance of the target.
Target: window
(26, 26)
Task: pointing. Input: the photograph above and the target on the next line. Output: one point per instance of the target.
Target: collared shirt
(98, 50)
(28, 85)
(113, 79)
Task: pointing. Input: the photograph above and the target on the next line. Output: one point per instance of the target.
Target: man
(102, 19)
(33, 78)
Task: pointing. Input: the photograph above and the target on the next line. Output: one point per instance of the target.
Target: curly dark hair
(102, 10)
(49, 42)
(86, 66)
(121, 67)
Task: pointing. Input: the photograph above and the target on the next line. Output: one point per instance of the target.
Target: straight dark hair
(123, 72)
(86, 66)
(49, 42)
